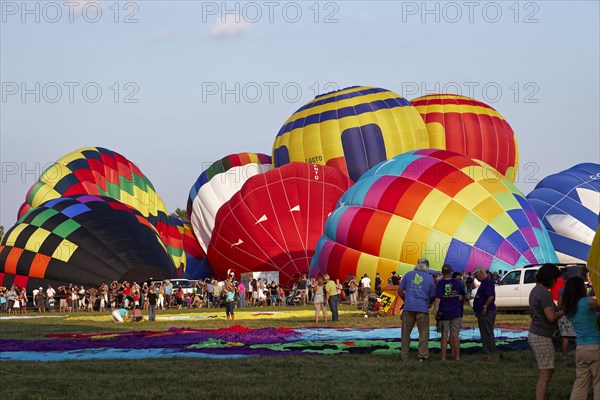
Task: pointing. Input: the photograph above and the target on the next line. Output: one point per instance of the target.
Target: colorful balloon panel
(102, 172)
(568, 203)
(216, 185)
(96, 171)
(593, 262)
(351, 129)
(431, 203)
(274, 221)
(82, 239)
(470, 127)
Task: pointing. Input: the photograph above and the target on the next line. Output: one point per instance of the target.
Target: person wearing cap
(447, 308)
(417, 290)
(485, 309)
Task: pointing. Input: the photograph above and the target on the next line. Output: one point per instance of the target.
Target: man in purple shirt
(416, 290)
(448, 310)
(485, 309)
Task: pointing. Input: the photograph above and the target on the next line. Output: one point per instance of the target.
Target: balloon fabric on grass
(431, 203)
(350, 129)
(470, 127)
(568, 203)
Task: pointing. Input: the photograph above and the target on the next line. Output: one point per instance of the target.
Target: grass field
(504, 375)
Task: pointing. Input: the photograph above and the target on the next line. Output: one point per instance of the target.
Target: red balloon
(275, 220)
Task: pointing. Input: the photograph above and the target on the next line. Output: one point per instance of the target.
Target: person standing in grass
(152, 300)
(580, 308)
(544, 322)
(332, 297)
(319, 300)
(229, 300)
(417, 290)
(485, 309)
(447, 308)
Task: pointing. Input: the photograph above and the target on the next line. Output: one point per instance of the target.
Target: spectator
(378, 283)
(242, 295)
(319, 300)
(230, 301)
(544, 322)
(447, 308)
(581, 309)
(417, 290)
(353, 289)
(303, 287)
(394, 279)
(366, 289)
(485, 309)
(152, 300)
(332, 297)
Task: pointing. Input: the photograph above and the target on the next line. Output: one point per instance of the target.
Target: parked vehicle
(512, 292)
(185, 284)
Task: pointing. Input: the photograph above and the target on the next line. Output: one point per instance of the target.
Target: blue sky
(208, 79)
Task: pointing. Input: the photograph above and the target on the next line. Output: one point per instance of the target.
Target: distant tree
(1, 232)
(181, 214)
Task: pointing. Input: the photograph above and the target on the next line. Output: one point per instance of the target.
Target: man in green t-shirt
(332, 297)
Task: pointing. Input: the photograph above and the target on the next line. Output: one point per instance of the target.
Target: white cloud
(231, 26)
(161, 35)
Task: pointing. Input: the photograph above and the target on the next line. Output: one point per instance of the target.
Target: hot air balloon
(274, 221)
(568, 203)
(197, 266)
(470, 127)
(351, 129)
(82, 239)
(431, 203)
(216, 185)
(102, 172)
(593, 262)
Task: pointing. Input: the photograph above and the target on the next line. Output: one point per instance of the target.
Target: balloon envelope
(82, 239)
(568, 203)
(351, 129)
(593, 262)
(216, 185)
(273, 222)
(436, 204)
(470, 127)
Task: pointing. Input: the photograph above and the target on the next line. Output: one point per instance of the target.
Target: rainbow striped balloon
(470, 127)
(431, 203)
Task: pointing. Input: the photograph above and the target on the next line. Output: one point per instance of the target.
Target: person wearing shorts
(448, 311)
(544, 322)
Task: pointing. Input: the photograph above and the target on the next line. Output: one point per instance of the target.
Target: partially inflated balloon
(470, 127)
(568, 203)
(83, 240)
(216, 185)
(351, 129)
(96, 171)
(436, 204)
(593, 262)
(197, 266)
(274, 221)
(102, 172)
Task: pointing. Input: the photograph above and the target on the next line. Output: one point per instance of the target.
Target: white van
(185, 284)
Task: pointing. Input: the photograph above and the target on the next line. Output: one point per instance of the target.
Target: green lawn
(505, 375)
